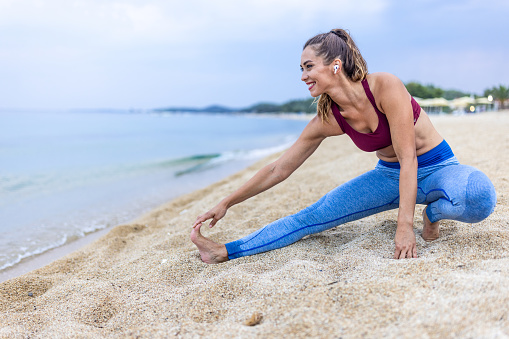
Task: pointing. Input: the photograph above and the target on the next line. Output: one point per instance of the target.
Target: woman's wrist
(405, 222)
(225, 203)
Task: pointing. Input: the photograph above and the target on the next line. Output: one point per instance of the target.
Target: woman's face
(318, 77)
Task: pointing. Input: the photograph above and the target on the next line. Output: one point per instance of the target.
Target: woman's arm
(272, 174)
(396, 105)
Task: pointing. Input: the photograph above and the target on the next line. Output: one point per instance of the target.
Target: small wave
(15, 252)
(12, 185)
(43, 183)
(25, 252)
(184, 160)
(229, 156)
(22, 186)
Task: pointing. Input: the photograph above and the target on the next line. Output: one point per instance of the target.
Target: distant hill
(307, 106)
(293, 106)
(209, 109)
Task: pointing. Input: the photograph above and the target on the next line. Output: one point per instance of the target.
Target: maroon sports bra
(381, 137)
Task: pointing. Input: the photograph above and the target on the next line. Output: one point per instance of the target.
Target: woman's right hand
(215, 214)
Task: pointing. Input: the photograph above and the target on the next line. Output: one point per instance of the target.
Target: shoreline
(145, 278)
(82, 204)
(37, 261)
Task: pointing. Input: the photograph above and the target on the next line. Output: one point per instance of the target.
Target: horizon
(199, 109)
(152, 109)
(142, 56)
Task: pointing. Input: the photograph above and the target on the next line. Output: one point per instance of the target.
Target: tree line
(499, 93)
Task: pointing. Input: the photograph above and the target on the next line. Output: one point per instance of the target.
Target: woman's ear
(336, 65)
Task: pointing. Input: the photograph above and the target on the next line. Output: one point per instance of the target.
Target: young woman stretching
(416, 165)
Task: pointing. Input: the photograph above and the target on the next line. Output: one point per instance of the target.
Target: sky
(101, 54)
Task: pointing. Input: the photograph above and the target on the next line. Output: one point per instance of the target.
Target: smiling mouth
(311, 85)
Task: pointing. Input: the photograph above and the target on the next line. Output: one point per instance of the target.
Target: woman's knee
(480, 197)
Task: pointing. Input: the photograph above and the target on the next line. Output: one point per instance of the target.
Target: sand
(145, 279)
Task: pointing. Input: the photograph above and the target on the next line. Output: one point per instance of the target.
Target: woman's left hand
(405, 243)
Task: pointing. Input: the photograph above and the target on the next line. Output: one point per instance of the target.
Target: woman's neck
(348, 94)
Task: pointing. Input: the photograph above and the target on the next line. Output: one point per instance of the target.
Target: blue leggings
(451, 191)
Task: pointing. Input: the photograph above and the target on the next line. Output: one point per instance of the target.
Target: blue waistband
(434, 156)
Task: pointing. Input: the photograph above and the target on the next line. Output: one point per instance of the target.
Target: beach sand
(145, 279)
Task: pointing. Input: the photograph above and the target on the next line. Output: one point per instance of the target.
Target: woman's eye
(309, 66)
(302, 69)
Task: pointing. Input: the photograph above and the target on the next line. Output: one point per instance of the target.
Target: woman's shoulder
(382, 83)
(382, 79)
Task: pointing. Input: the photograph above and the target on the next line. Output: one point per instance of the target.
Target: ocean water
(66, 174)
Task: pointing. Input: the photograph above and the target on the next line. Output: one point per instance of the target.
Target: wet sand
(145, 279)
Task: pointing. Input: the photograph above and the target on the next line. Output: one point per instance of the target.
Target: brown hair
(337, 44)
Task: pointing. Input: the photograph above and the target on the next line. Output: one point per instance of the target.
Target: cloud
(179, 21)
(469, 70)
(82, 47)
(161, 52)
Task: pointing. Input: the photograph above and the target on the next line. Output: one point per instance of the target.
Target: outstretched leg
(368, 194)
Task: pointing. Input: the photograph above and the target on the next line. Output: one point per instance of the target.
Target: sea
(65, 175)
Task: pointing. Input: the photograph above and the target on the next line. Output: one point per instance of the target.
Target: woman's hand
(405, 243)
(215, 214)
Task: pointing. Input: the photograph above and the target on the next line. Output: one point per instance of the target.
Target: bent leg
(457, 192)
(368, 194)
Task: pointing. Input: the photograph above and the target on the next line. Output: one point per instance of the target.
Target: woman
(416, 165)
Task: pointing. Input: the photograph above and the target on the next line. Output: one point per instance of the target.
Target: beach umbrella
(483, 101)
(439, 102)
(422, 102)
(462, 102)
(433, 105)
(433, 102)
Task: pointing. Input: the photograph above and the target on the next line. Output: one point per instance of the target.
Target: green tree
(424, 92)
(450, 94)
(264, 107)
(292, 106)
(500, 94)
(296, 106)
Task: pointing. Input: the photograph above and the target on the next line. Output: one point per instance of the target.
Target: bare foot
(430, 231)
(210, 252)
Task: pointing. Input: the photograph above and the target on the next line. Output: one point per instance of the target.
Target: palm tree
(500, 93)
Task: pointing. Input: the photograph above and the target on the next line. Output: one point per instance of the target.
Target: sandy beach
(146, 280)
